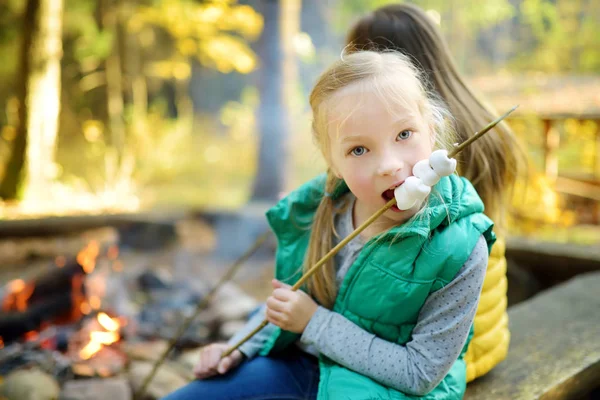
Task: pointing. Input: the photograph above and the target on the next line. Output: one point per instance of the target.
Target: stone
(232, 303)
(145, 351)
(29, 384)
(97, 389)
(166, 380)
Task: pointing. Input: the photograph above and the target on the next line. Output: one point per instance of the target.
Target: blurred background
(120, 106)
(141, 142)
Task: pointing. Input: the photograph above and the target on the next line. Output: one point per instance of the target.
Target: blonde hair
(396, 81)
(493, 162)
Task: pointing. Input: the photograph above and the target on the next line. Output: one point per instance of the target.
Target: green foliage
(215, 32)
(565, 36)
(552, 36)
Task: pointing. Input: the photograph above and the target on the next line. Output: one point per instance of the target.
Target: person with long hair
(492, 163)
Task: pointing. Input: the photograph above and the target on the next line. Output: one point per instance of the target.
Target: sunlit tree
(32, 155)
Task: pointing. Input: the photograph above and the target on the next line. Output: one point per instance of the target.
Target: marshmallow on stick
(426, 173)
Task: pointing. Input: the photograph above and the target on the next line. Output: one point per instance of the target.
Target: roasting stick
(201, 306)
(362, 227)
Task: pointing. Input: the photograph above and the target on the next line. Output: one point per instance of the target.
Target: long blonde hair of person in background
(492, 163)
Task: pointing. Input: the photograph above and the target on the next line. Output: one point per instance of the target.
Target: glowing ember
(85, 308)
(98, 339)
(90, 349)
(104, 337)
(107, 322)
(77, 297)
(95, 302)
(19, 293)
(87, 257)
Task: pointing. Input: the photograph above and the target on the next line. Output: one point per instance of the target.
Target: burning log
(56, 281)
(55, 297)
(13, 325)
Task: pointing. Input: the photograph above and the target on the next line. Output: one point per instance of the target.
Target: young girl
(390, 317)
(491, 163)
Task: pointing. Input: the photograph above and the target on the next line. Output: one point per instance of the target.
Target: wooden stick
(318, 265)
(201, 305)
(361, 228)
(479, 134)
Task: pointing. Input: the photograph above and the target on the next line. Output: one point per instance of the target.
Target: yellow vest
(491, 337)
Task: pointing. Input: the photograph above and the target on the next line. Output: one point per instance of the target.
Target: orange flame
(98, 339)
(85, 308)
(107, 322)
(87, 257)
(95, 302)
(77, 296)
(18, 295)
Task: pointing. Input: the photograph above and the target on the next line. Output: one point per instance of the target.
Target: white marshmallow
(412, 192)
(426, 173)
(441, 164)
(403, 200)
(423, 170)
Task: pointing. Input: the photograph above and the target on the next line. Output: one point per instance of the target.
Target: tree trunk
(108, 18)
(31, 163)
(9, 188)
(278, 74)
(43, 98)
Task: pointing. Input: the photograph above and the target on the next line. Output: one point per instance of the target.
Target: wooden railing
(583, 186)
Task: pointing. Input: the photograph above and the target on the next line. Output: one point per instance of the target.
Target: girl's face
(374, 150)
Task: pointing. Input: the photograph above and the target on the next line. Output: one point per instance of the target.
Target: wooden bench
(555, 347)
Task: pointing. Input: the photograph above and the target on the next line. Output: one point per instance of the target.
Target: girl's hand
(289, 310)
(211, 364)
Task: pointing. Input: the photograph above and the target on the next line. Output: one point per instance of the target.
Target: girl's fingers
(275, 305)
(276, 317)
(283, 294)
(278, 284)
(207, 364)
(224, 365)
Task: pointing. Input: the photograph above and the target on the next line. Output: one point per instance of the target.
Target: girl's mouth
(389, 194)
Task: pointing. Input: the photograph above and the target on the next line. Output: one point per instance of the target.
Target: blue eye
(405, 134)
(358, 151)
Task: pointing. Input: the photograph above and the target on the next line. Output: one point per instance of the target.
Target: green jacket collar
(451, 198)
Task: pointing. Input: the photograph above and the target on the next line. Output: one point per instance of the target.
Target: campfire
(90, 317)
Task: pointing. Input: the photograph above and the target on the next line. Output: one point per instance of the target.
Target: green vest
(391, 278)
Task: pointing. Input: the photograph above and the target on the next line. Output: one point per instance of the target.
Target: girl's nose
(390, 166)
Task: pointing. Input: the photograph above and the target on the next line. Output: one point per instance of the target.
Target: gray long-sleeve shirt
(416, 367)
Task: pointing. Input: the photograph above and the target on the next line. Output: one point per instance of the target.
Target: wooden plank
(555, 348)
(578, 188)
(555, 261)
(55, 225)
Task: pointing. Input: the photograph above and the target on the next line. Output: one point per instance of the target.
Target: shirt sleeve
(253, 345)
(438, 337)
